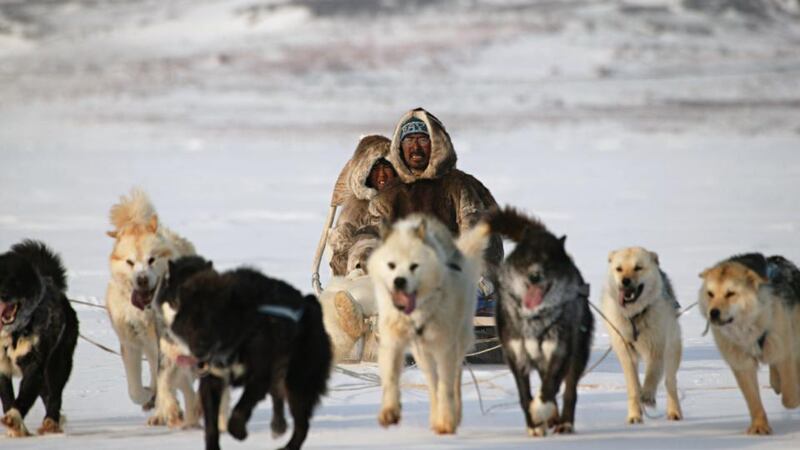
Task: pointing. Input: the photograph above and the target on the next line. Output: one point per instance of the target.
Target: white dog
(139, 260)
(639, 301)
(426, 286)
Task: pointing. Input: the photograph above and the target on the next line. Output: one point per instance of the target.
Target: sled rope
(98, 345)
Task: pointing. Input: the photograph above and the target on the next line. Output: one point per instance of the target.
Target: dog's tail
(134, 209)
(311, 362)
(473, 242)
(46, 261)
(512, 224)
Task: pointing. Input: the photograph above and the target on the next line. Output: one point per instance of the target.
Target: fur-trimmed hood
(443, 156)
(352, 180)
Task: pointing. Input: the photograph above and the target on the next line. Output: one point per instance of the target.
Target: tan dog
(142, 249)
(639, 301)
(753, 306)
(426, 288)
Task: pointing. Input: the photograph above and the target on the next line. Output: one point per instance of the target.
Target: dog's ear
(704, 273)
(755, 279)
(611, 256)
(112, 234)
(209, 265)
(422, 229)
(152, 225)
(654, 255)
(563, 240)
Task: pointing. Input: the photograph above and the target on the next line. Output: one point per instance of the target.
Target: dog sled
(487, 345)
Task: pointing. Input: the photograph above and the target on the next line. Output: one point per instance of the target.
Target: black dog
(246, 329)
(38, 333)
(543, 320)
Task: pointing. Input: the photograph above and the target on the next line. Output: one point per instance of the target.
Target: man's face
(416, 151)
(382, 175)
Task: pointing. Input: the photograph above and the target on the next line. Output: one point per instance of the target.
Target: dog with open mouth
(752, 304)
(640, 303)
(142, 249)
(426, 284)
(241, 328)
(543, 320)
(38, 334)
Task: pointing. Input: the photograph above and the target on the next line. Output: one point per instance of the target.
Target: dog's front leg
(167, 410)
(211, 388)
(630, 370)
(29, 389)
(6, 392)
(191, 403)
(447, 362)
(653, 374)
(278, 423)
(255, 390)
(427, 365)
(748, 383)
(543, 409)
(390, 362)
(132, 360)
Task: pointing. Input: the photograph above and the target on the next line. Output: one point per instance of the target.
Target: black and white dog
(246, 329)
(543, 319)
(38, 333)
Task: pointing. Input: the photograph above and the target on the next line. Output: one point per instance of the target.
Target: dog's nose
(400, 283)
(626, 281)
(714, 314)
(142, 281)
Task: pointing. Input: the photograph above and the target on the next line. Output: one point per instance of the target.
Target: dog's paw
(648, 399)
(444, 427)
(237, 426)
(277, 426)
(539, 431)
(389, 416)
(49, 426)
(674, 415)
(564, 428)
(15, 427)
(634, 419)
(759, 428)
(149, 404)
(156, 421)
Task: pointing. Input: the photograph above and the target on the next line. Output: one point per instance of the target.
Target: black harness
(633, 321)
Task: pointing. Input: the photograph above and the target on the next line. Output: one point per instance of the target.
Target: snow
(619, 123)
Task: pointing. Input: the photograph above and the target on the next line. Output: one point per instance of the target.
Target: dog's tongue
(406, 301)
(186, 361)
(140, 299)
(623, 296)
(534, 297)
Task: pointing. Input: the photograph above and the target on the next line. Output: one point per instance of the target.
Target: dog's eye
(151, 261)
(637, 268)
(534, 278)
(729, 294)
(413, 267)
(619, 269)
(392, 266)
(710, 294)
(130, 262)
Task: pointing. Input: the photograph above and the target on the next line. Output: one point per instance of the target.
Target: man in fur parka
(423, 155)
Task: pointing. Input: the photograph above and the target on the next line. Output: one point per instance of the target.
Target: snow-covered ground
(667, 123)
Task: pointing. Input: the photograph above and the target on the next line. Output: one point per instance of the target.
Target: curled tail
(512, 224)
(46, 261)
(473, 242)
(135, 208)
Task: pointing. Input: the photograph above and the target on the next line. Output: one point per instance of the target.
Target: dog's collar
(633, 319)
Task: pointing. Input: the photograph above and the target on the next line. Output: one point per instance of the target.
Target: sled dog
(425, 286)
(752, 304)
(38, 333)
(639, 302)
(543, 320)
(245, 329)
(142, 249)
